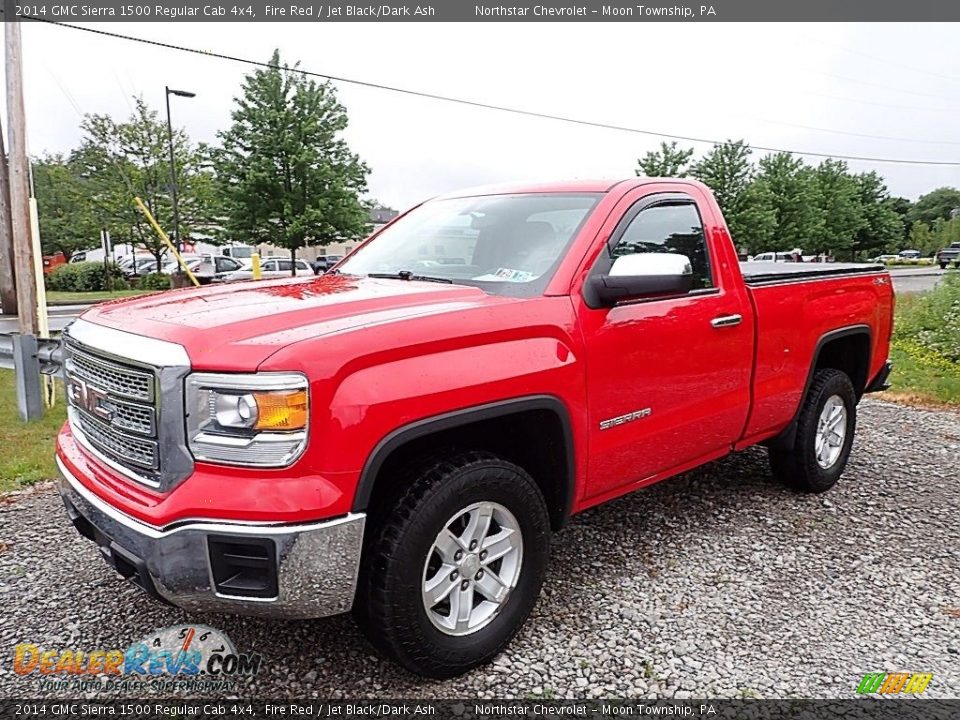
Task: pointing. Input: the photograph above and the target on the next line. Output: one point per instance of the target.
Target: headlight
(256, 419)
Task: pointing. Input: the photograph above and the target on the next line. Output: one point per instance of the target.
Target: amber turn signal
(281, 410)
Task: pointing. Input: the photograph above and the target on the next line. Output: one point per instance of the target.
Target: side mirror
(641, 275)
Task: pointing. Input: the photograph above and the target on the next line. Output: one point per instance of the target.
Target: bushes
(84, 277)
(900, 262)
(933, 320)
(155, 281)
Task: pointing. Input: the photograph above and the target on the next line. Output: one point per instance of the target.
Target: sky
(804, 87)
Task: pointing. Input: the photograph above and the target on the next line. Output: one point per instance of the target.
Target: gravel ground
(719, 583)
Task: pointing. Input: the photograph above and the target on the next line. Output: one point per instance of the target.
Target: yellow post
(255, 266)
(163, 236)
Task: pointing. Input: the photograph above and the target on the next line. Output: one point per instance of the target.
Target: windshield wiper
(407, 275)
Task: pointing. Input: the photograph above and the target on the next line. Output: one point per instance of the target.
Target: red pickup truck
(401, 435)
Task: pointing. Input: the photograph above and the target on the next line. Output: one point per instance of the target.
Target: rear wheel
(455, 565)
(825, 431)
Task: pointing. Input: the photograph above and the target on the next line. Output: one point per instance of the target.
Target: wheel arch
(496, 426)
(848, 349)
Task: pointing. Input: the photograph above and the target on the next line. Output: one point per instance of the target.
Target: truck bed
(763, 273)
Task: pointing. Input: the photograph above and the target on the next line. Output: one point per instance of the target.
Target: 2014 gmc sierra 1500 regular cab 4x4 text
(402, 435)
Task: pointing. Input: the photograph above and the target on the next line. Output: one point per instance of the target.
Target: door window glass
(669, 228)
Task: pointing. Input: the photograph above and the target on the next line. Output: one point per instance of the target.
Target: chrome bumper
(312, 568)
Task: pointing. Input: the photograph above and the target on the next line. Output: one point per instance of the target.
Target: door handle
(726, 321)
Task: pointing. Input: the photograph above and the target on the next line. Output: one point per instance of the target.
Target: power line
(486, 106)
(885, 60)
(883, 86)
(850, 133)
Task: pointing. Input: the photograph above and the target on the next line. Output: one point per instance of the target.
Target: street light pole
(173, 171)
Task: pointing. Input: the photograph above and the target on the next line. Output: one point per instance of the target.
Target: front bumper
(289, 571)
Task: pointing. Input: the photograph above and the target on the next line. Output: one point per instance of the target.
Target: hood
(236, 326)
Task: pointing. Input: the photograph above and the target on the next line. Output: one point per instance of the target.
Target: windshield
(505, 244)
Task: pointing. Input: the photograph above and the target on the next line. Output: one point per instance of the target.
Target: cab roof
(562, 186)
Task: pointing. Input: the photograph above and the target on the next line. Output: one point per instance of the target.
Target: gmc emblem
(90, 399)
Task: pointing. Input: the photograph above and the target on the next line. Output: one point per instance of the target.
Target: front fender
(372, 404)
(369, 383)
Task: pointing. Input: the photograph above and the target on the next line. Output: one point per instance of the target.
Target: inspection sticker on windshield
(508, 275)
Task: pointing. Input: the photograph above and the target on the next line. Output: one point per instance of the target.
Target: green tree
(937, 204)
(757, 220)
(902, 206)
(727, 171)
(789, 190)
(67, 221)
(841, 212)
(120, 161)
(284, 173)
(882, 228)
(923, 239)
(945, 232)
(668, 161)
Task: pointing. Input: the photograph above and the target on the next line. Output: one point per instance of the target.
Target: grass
(922, 378)
(28, 448)
(66, 298)
(926, 347)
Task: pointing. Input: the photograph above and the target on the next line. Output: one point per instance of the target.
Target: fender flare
(466, 416)
(787, 437)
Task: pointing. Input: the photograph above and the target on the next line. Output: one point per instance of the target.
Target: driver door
(669, 385)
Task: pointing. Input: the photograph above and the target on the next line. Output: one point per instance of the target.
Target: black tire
(943, 266)
(389, 607)
(799, 467)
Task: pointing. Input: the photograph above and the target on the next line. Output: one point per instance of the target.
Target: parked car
(909, 254)
(775, 257)
(325, 262)
(949, 255)
(137, 265)
(403, 437)
(884, 259)
(270, 268)
(205, 268)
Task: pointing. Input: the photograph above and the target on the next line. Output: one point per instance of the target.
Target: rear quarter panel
(791, 318)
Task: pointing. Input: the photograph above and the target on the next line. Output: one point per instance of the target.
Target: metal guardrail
(30, 357)
(48, 352)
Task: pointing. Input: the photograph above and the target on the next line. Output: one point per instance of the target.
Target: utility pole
(19, 175)
(173, 180)
(8, 284)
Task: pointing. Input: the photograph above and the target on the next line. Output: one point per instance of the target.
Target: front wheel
(452, 570)
(825, 431)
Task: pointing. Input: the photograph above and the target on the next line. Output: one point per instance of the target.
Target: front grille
(137, 419)
(123, 448)
(113, 409)
(110, 376)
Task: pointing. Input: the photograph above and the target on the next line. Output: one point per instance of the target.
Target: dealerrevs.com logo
(894, 683)
(175, 658)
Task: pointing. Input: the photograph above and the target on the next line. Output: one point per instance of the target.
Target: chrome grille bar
(123, 448)
(110, 376)
(125, 399)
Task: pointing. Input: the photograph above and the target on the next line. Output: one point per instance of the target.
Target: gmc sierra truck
(401, 435)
